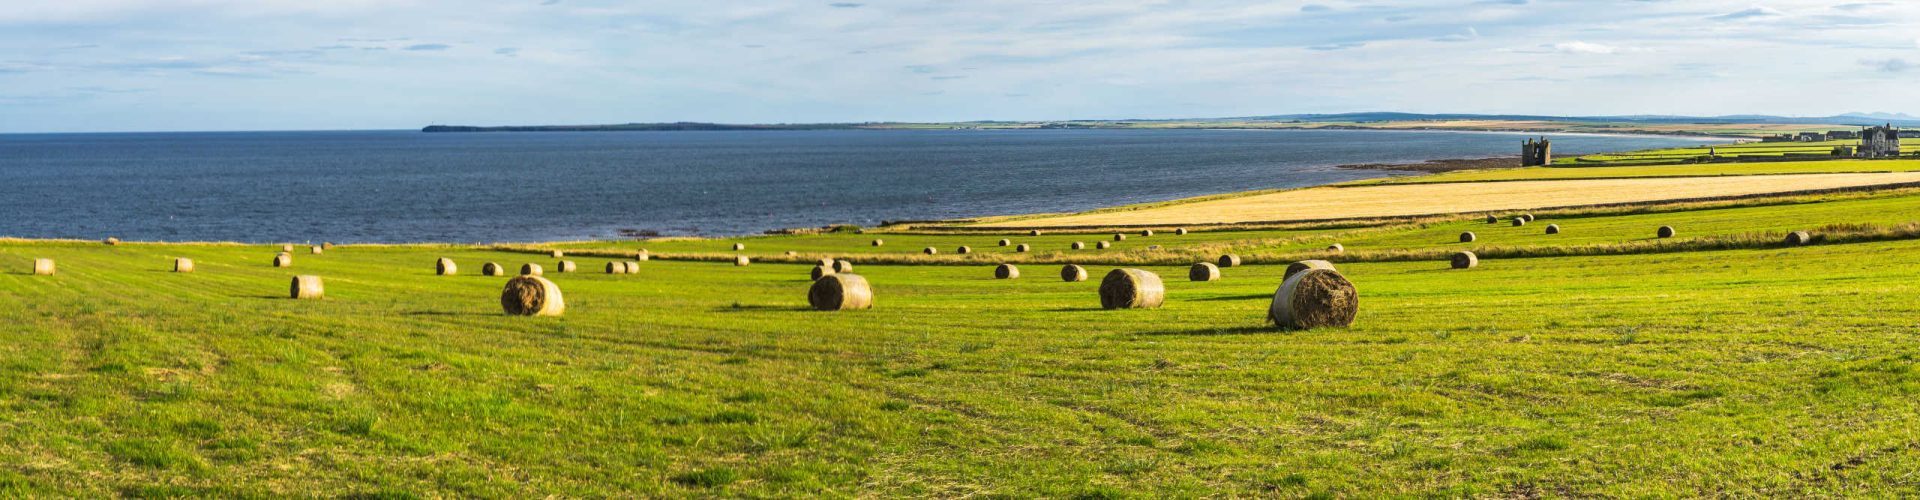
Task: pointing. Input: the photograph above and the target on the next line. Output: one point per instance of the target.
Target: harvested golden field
(1404, 200)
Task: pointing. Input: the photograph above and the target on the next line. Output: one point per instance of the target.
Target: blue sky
(97, 65)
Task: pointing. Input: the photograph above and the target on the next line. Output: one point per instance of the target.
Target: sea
(410, 186)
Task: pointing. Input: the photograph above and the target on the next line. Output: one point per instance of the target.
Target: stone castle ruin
(1879, 142)
(1537, 153)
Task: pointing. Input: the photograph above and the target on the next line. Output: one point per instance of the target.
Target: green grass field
(1691, 170)
(1754, 372)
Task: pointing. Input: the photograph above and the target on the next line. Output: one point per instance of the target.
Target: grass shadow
(759, 307)
(445, 313)
(1209, 332)
(1256, 296)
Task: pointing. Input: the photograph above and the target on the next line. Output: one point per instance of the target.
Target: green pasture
(1688, 170)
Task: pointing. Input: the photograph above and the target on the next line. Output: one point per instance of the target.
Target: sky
(185, 65)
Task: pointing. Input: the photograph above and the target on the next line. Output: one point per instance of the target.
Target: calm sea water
(405, 186)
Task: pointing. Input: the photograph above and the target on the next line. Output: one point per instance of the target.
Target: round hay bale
(821, 271)
(1519, 221)
(842, 266)
(879, 243)
(1072, 273)
(286, 248)
(840, 292)
(1035, 232)
(1022, 248)
(532, 296)
(445, 267)
(1102, 245)
(307, 286)
(1079, 246)
(1180, 231)
(1146, 232)
(1132, 289)
(1465, 260)
(824, 261)
(739, 246)
(930, 251)
(492, 269)
(326, 245)
(1229, 260)
(1553, 229)
(1119, 237)
(1468, 237)
(1798, 238)
(1665, 232)
(616, 268)
(1006, 243)
(631, 267)
(1529, 217)
(565, 266)
(1297, 267)
(1492, 219)
(1006, 272)
(1314, 298)
(741, 261)
(963, 250)
(43, 267)
(316, 250)
(1203, 271)
(182, 265)
(558, 254)
(1337, 248)
(111, 241)
(283, 260)
(643, 256)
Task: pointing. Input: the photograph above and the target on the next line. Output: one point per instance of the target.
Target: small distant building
(1880, 142)
(1779, 138)
(1811, 137)
(1842, 135)
(1536, 153)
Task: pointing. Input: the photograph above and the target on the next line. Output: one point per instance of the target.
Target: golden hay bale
(821, 271)
(532, 296)
(616, 268)
(283, 260)
(963, 250)
(1337, 248)
(1022, 248)
(182, 265)
(1553, 229)
(445, 267)
(492, 269)
(326, 245)
(1180, 231)
(1491, 219)
(1529, 217)
(1297, 267)
(43, 267)
(286, 248)
(643, 256)
(1519, 221)
(1079, 246)
(631, 267)
(1132, 289)
(741, 261)
(1102, 245)
(930, 251)
(1229, 260)
(558, 254)
(879, 242)
(1035, 232)
(111, 240)
(1665, 232)
(1203, 271)
(565, 266)
(1073, 274)
(1314, 298)
(839, 292)
(307, 286)
(1119, 237)
(1006, 243)
(1468, 237)
(1465, 260)
(1006, 272)
(316, 250)
(1798, 238)
(739, 246)
(842, 266)
(1146, 232)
